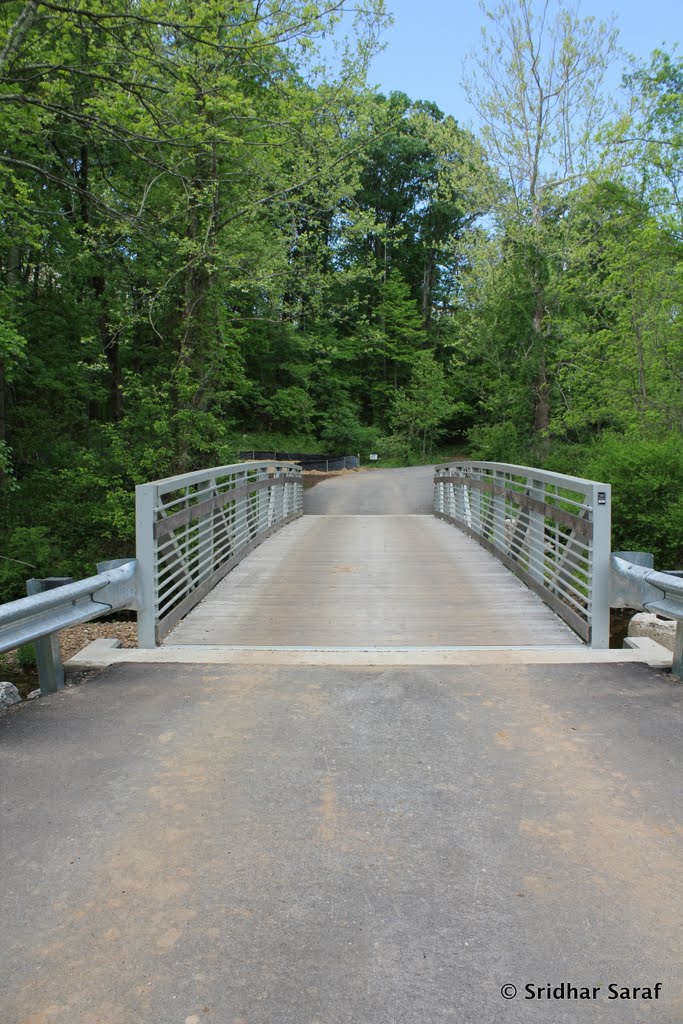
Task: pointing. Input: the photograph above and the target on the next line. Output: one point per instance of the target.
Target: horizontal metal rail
(193, 529)
(30, 618)
(551, 530)
(637, 584)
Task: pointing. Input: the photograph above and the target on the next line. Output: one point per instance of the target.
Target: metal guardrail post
(48, 652)
(145, 500)
(677, 663)
(602, 568)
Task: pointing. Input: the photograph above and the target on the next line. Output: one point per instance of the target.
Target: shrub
(646, 475)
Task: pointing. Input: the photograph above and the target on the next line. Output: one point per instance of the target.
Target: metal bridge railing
(192, 530)
(551, 530)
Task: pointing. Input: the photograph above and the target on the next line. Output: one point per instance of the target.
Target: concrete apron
(103, 653)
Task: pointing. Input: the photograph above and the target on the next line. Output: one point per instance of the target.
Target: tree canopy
(216, 237)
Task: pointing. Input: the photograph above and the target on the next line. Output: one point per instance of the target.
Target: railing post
(467, 517)
(475, 504)
(499, 512)
(285, 497)
(48, 651)
(601, 498)
(456, 502)
(145, 504)
(536, 532)
(270, 491)
(263, 503)
(438, 497)
(280, 491)
(205, 539)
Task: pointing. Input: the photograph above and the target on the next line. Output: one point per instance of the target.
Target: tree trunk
(427, 285)
(201, 339)
(541, 382)
(3, 423)
(11, 276)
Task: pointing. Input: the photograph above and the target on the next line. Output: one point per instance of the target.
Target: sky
(429, 39)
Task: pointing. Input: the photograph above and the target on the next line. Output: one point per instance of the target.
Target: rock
(9, 695)
(33, 695)
(661, 630)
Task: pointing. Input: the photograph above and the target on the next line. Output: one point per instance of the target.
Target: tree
(535, 84)
(649, 138)
(616, 315)
(152, 154)
(414, 183)
(421, 409)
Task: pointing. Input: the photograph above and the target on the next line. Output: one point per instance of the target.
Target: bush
(498, 442)
(646, 475)
(29, 552)
(26, 656)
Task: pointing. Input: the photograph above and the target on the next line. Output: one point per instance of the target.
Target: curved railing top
(201, 475)
(529, 472)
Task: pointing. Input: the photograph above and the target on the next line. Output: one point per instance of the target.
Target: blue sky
(429, 38)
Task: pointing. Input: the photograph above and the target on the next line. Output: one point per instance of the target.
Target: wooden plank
(574, 621)
(371, 580)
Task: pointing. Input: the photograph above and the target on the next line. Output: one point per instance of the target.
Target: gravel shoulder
(71, 641)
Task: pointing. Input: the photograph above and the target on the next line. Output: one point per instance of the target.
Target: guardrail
(193, 529)
(39, 617)
(637, 584)
(551, 530)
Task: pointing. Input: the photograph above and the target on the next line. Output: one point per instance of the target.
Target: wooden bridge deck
(371, 581)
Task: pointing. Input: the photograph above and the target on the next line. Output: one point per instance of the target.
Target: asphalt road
(247, 845)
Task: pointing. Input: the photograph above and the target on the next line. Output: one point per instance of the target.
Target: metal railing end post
(602, 565)
(145, 500)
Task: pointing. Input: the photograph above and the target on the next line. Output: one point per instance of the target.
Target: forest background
(216, 237)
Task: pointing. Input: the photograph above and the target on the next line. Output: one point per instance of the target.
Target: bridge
(375, 762)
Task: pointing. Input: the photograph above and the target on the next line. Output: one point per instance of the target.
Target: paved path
(309, 846)
(374, 492)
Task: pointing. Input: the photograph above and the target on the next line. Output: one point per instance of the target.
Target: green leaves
(421, 409)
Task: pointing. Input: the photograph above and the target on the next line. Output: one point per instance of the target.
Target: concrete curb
(103, 653)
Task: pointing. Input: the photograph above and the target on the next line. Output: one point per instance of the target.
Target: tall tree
(151, 152)
(535, 84)
(649, 137)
